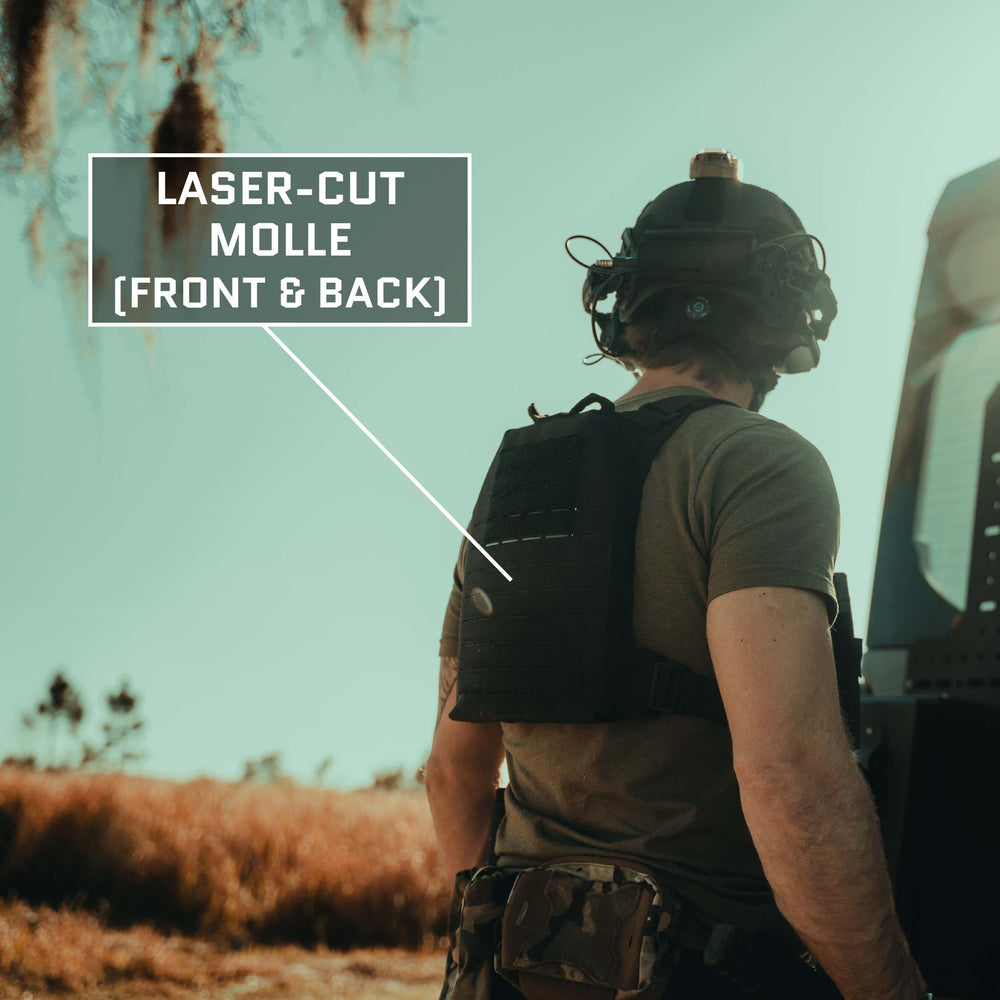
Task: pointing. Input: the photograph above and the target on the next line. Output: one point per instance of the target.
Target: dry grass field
(117, 886)
(47, 953)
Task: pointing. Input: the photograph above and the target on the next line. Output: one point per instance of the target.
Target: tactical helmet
(713, 240)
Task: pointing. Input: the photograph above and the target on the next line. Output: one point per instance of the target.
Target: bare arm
(806, 804)
(461, 777)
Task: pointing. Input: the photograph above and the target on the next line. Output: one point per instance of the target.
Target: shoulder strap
(660, 419)
(660, 684)
(657, 683)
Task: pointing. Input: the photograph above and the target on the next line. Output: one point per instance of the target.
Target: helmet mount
(713, 241)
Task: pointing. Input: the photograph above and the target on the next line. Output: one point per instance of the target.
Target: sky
(194, 515)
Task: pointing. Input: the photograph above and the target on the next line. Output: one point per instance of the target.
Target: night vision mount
(778, 277)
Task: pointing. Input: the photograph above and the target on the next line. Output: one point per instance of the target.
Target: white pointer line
(385, 451)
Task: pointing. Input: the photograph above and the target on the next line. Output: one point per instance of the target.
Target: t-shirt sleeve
(453, 612)
(769, 510)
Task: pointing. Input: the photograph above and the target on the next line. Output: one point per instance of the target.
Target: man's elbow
(807, 743)
(793, 776)
(438, 774)
(447, 782)
(443, 774)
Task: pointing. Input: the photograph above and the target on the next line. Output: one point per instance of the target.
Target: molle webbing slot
(550, 522)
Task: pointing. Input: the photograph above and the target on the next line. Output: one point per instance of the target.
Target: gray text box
(305, 240)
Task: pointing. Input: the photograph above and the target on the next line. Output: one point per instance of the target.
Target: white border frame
(131, 324)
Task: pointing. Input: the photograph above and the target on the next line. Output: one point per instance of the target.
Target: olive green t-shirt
(732, 500)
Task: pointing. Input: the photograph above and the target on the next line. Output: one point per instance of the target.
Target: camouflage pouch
(473, 932)
(586, 931)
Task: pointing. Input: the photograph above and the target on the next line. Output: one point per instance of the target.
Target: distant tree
(321, 769)
(27, 763)
(63, 709)
(122, 730)
(28, 724)
(397, 778)
(265, 770)
(388, 780)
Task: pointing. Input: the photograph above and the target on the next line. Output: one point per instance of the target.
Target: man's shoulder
(721, 433)
(721, 421)
(740, 455)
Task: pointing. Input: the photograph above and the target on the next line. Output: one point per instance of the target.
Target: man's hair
(715, 348)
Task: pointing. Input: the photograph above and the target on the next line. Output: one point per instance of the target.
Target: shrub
(276, 863)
